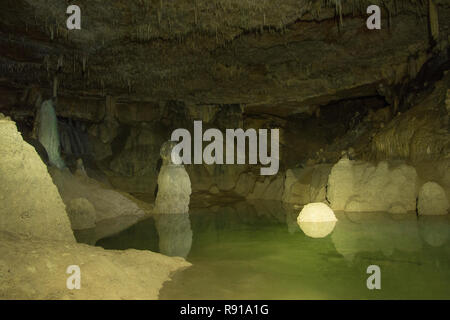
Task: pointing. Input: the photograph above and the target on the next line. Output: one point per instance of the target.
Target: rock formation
(316, 220)
(432, 200)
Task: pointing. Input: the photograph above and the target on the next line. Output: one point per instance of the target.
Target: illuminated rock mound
(316, 220)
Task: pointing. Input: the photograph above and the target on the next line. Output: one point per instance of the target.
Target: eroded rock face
(361, 186)
(30, 202)
(432, 200)
(174, 185)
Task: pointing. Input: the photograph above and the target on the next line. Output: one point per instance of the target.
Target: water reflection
(373, 232)
(175, 234)
(434, 230)
(317, 229)
(169, 234)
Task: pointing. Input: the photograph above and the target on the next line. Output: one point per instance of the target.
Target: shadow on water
(258, 251)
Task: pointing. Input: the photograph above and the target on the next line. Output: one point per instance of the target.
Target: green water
(257, 251)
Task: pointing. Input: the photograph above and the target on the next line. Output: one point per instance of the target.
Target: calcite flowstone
(357, 186)
(174, 185)
(432, 200)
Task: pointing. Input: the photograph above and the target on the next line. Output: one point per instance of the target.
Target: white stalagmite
(174, 185)
(48, 133)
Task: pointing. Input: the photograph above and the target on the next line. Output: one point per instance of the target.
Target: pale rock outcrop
(81, 214)
(36, 269)
(361, 186)
(316, 220)
(174, 185)
(305, 185)
(432, 200)
(30, 202)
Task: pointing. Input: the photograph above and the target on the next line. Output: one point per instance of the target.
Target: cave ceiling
(278, 56)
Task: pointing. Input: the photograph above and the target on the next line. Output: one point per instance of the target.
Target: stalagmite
(174, 185)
